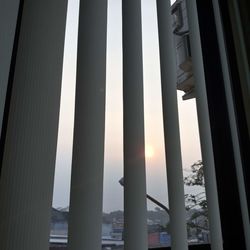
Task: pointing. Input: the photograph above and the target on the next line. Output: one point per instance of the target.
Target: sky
(113, 164)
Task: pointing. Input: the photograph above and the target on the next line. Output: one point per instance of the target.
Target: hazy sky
(113, 169)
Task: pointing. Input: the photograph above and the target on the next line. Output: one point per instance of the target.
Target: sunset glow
(149, 151)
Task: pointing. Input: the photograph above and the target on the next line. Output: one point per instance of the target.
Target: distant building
(59, 222)
(185, 78)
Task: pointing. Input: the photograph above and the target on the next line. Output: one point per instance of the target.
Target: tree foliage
(196, 202)
(196, 178)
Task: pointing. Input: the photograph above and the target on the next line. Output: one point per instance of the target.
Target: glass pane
(60, 206)
(112, 227)
(158, 217)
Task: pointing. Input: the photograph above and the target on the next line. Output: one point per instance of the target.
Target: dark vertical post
(233, 121)
(226, 175)
(204, 127)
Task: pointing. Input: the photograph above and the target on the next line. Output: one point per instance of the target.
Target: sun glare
(149, 151)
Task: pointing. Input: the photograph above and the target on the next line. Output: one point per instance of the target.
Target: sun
(149, 151)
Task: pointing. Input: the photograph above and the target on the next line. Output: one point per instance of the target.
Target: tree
(196, 178)
(197, 204)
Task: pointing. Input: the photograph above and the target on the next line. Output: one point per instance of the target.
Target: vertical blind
(29, 150)
(32, 36)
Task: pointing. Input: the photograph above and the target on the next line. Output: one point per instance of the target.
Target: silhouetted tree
(197, 203)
